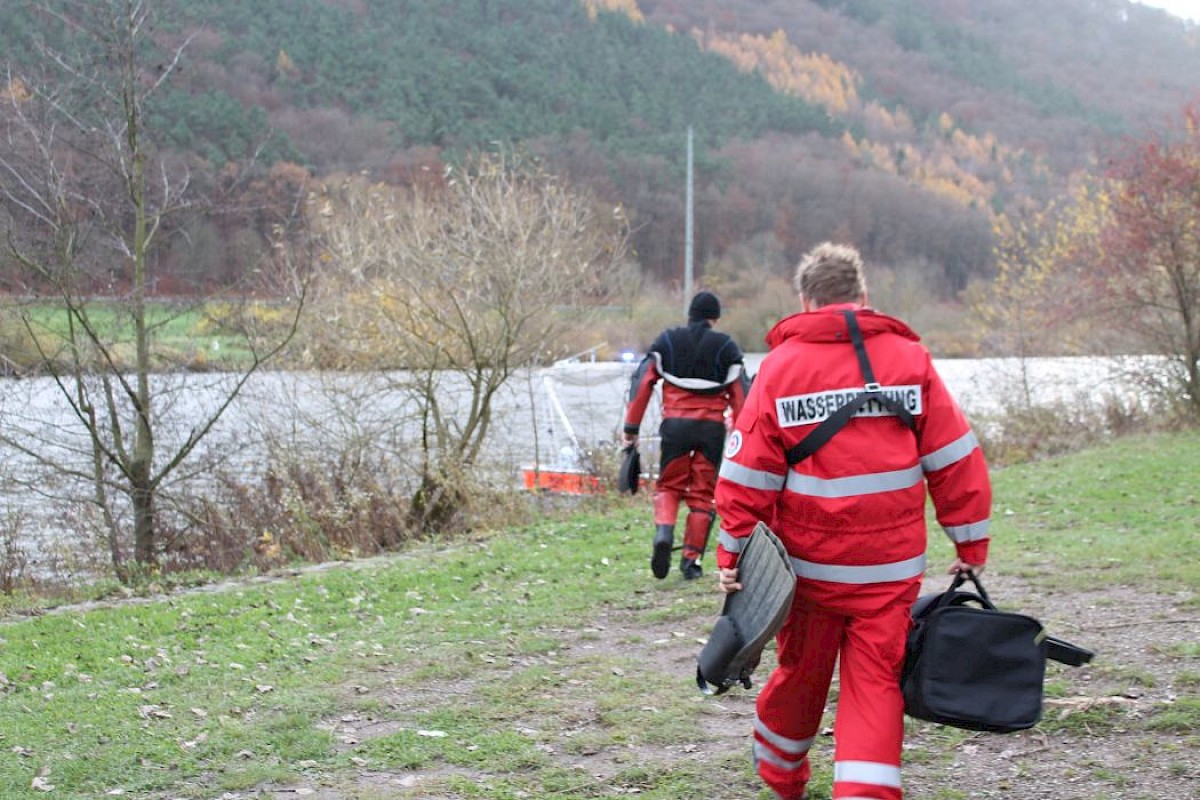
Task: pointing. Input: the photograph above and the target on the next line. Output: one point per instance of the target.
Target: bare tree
(90, 202)
(1145, 270)
(457, 284)
(1114, 269)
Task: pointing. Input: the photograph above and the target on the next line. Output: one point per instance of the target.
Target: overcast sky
(1188, 9)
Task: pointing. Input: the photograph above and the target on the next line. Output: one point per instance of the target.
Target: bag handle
(960, 578)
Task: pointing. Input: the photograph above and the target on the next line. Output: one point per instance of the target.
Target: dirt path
(1123, 726)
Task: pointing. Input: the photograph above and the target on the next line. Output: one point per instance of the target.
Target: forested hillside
(903, 126)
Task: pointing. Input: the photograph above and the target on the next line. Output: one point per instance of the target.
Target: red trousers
(689, 478)
(863, 630)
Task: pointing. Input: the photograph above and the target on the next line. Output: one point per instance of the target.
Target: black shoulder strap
(835, 421)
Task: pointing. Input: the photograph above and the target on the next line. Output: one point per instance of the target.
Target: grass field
(182, 335)
(494, 666)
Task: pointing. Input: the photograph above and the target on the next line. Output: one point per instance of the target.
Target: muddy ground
(1109, 728)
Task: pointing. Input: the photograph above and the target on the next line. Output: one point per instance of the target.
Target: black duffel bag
(970, 665)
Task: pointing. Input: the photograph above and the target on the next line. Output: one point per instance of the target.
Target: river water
(549, 417)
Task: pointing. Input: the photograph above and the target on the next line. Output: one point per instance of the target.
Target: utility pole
(687, 232)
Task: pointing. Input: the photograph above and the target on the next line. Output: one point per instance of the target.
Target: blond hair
(831, 273)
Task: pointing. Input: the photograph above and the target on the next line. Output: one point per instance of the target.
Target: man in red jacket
(852, 516)
(703, 388)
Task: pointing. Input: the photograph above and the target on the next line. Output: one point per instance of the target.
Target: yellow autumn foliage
(964, 168)
(627, 7)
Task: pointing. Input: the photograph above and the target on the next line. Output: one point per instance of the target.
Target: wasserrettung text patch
(807, 409)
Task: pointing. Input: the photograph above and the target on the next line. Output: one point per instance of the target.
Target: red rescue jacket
(853, 513)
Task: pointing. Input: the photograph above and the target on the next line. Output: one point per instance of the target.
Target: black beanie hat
(705, 305)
